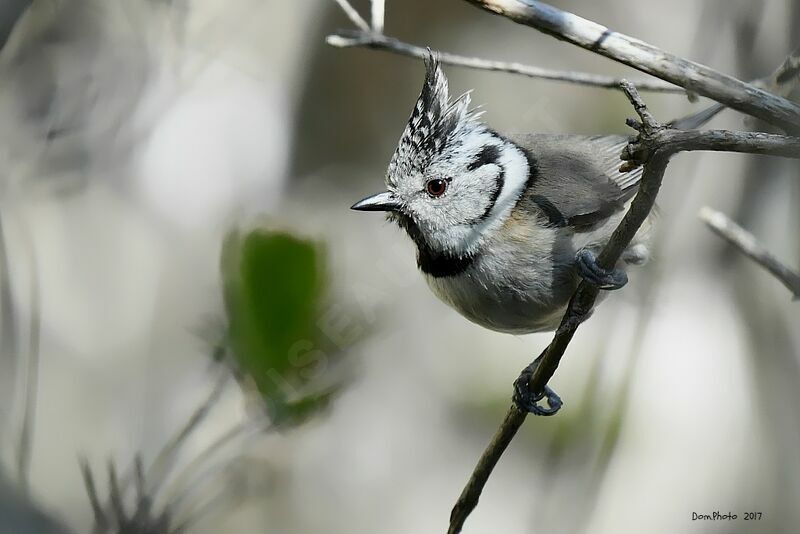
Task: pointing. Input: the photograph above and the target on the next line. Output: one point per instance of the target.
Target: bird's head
(448, 179)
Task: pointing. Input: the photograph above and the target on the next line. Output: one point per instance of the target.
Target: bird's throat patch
(431, 262)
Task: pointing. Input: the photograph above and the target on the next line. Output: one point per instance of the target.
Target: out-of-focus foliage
(274, 289)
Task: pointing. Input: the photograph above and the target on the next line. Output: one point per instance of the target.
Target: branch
(377, 13)
(353, 15)
(100, 520)
(715, 141)
(32, 373)
(10, 354)
(693, 77)
(653, 147)
(746, 242)
(165, 460)
(366, 39)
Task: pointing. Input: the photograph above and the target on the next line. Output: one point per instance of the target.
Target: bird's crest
(433, 123)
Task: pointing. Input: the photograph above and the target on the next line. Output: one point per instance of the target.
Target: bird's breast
(511, 290)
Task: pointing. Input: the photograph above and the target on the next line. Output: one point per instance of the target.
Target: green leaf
(274, 285)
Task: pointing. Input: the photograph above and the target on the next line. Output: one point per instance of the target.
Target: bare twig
(144, 502)
(653, 147)
(353, 15)
(164, 461)
(32, 373)
(645, 57)
(101, 522)
(468, 499)
(188, 477)
(115, 494)
(366, 39)
(9, 337)
(222, 498)
(717, 141)
(147, 515)
(781, 82)
(377, 9)
(113, 517)
(746, 242)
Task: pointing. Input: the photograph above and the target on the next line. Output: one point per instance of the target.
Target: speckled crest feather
(433, 123)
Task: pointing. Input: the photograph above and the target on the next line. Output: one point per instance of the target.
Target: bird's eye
(436, 187)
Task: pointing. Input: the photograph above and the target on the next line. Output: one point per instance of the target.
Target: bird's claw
(527, 401)
(589, 270)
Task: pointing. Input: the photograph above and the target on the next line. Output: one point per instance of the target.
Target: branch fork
(640, 149)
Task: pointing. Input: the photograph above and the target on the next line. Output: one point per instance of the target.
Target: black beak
(385, 201)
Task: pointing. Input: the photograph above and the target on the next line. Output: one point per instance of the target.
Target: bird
(506, 226)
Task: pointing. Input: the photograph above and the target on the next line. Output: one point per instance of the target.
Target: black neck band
(434, 263)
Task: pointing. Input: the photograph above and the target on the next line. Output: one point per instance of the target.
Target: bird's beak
(385, 201)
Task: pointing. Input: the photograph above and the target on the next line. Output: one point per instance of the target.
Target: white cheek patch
(515, 164)
(515, 169)
(470, 195)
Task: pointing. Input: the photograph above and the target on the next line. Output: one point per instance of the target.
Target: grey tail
(698, 119)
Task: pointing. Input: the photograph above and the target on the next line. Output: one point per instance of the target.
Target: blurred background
(196, 327)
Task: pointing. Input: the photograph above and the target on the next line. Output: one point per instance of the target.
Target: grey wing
(577, 180)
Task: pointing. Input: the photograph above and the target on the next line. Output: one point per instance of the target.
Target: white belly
(521, 282)
(506, 296)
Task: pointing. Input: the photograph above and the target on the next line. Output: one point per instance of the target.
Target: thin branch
(693, 77)
(9, 336)
(653, 147)
(189, 487)
(717, 141)
(221, 501)
(165, 459)
(188, 476)
(115, 491)
(32, 373)
(222, 498)
(746, 242)
(377, 11)
(182, 480)
(144, 503)
(101, 522)
(468, 499)
(353, 15)
(366, 39)
(781, 82)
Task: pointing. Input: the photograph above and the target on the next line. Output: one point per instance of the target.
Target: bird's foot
(527, 401)
(589, 270)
